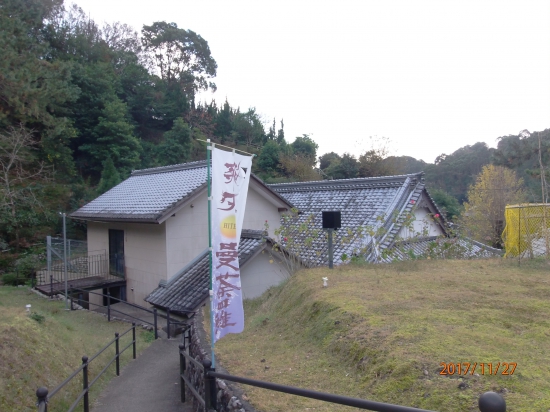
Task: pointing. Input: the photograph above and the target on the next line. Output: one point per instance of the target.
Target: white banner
(230, 177)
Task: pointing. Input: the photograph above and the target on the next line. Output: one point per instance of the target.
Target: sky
(429, 76)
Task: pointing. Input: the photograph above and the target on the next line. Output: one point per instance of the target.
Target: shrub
(6, 261)
(37, 317)
(27, 265)
(11, 279)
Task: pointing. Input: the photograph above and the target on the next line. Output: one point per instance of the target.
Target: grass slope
(381, 332)
(45, 348)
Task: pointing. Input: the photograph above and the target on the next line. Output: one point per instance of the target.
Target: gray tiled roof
(373, 203)
(148, 195)
(440, 247)
(186, 290)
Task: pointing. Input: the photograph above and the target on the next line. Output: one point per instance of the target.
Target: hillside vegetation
(44, 347)
(381, 332)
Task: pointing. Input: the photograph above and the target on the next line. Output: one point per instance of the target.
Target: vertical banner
(230, 177)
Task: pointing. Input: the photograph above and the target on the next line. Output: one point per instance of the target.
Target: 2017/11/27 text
(483, 368)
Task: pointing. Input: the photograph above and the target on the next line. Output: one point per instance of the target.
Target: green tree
(33, 88)
(527, 154)
(176, 147)
(345, 167)
(281, 133)
(114, 138)
(269, 157)
(454, 173)
(446, 203)
(109, 176)
(181, 56)
(494, 188)
(326, 159)
(223, 122)
(305, 147)
(248, 128)
(21, 178)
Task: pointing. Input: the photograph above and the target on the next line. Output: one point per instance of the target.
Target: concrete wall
(186, 234)
(423, 225)
(144, 253)
(263, 271)
(258, 210)
(187, 231)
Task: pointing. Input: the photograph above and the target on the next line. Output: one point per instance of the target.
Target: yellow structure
(527, 230)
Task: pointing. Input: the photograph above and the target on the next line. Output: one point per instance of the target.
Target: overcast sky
(432, 76)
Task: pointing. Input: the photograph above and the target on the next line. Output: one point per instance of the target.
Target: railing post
(42, 399)
(491, 402)
(108, 306)
(168, 322)
(51, 286)
(117, 355)
(134, 338)
(155, 323)
(206, 363)
(85, 383)
(182, 372)
(210, 397)
(71, 299)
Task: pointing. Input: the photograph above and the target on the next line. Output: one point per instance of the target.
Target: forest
(82, 105)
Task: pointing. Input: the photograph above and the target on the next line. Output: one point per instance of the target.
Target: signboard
(230, 177)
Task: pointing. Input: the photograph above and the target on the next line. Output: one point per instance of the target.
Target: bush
(11, 279)
(6, 261)
(37, 317)
(28, 265)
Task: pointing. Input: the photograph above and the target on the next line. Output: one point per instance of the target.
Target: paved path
(148, 384)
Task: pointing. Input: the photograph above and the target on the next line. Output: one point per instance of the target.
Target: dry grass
(381, 333)
(34, 354)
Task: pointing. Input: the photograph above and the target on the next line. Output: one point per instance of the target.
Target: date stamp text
(482, 368)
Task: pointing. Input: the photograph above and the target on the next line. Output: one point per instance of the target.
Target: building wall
(423, 225)
(187, 231)
(154, 252)
(258, 210)
(186, 234)
(144, 253)
(263, 271)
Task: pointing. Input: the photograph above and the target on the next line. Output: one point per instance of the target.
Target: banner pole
(208, 166)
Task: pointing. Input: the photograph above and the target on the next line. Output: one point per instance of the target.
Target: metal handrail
(42, 393)
(488, 401)
(322, 396)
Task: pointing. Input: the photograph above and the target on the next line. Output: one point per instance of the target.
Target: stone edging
(230, 396)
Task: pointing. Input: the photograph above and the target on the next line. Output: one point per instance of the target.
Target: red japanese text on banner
(230, 177)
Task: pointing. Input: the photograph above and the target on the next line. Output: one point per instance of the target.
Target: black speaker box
(332, 220)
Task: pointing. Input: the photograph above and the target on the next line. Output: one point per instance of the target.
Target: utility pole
(65, 260)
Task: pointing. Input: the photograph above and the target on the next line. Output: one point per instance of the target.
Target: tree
(33, 88)
(248, 128)
(176, 147)
(345, 167)
(306, 148)
(454, 173)
(223, 122)
(269, 157)
(326, 159)
(446, 203)
(109, 176)
(114, 137)
(21, 175)
(372, 162)
(527, 154)
(180, 56)
(281, 133)
(298, 167)
(483, 216)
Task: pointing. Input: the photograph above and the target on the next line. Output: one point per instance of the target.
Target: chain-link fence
(527, 230)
